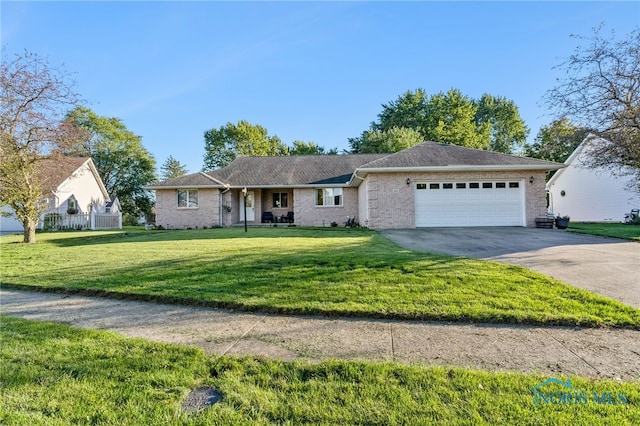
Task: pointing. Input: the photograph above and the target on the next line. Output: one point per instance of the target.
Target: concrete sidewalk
(547, 350)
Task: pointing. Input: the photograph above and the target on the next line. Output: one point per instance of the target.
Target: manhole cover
(201, 398)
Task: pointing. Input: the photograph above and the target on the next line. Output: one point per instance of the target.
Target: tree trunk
(29, 231)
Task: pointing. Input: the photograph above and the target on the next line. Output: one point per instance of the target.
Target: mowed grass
(53, 374)
(615, 230)
(344, 272)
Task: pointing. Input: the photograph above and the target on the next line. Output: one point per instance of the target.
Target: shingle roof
(292, 170)
(54, 171)
(432, 154)
(193, 180)
(338, 169)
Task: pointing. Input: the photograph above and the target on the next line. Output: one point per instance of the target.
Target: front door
(251, 210)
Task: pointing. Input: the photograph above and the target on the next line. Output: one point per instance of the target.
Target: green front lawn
(56, 375)
(345, 272)
(615, 230)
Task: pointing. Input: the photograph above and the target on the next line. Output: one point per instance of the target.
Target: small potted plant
(562, 222)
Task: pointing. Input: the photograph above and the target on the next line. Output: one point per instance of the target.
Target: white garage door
(471, 203)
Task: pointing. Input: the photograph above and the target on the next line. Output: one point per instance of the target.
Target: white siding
(83, 186)
(9, 224)
(591, 195)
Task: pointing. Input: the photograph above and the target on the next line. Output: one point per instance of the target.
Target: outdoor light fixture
(408, 181)
(531, 179)
(244, 195)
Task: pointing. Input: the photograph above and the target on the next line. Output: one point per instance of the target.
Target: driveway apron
(606, 266)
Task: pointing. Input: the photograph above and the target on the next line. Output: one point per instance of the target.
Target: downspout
(366, 207)
(220, 210)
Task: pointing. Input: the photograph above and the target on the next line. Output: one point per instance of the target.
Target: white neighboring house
(591, 195)
(76, 194)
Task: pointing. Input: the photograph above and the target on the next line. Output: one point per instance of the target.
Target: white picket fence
(80, 221)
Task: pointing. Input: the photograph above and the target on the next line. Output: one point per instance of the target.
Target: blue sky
(312, 71)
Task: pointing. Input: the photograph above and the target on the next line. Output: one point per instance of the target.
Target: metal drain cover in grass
(201, 398)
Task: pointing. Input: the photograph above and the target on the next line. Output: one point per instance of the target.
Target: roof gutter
(461, 168)
(355, 176)
(180, 186)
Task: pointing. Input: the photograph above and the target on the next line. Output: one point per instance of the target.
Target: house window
(434, 186)
(329, 197)
(474, 185)
(461, 185)
(487, 185)
(187, 198)
(280, 200)
(447, 186)
(421, 186)
(514, 184)
(72, 205)
(501, 185)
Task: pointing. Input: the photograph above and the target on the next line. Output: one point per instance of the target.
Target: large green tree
(451, 117)
(32, 130)
(225, 144)
(409, 110)
(600, 90)
(507, 130)
(556, 141)
(488, 123)
(124, 165)
(309, 148)
(392, 140)
(172, 168)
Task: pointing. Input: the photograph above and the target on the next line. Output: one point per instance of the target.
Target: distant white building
(591, 195)
(73, 185)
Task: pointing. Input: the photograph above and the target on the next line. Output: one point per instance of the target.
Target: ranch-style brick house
(430, 184)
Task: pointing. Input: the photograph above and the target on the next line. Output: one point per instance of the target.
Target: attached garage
(439, 185)
(470, 203)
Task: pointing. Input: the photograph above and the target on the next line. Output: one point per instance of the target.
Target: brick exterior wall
(390, 201)
(266, 204)
(171, 217)
(383, 201)
(308, 214)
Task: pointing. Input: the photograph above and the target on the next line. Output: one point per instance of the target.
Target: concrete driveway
(607, 266)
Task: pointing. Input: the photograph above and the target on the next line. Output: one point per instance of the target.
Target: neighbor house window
(280, 200)
(329, 197)
(187, 198)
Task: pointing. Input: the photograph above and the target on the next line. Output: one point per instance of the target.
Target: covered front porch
(263, 205)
